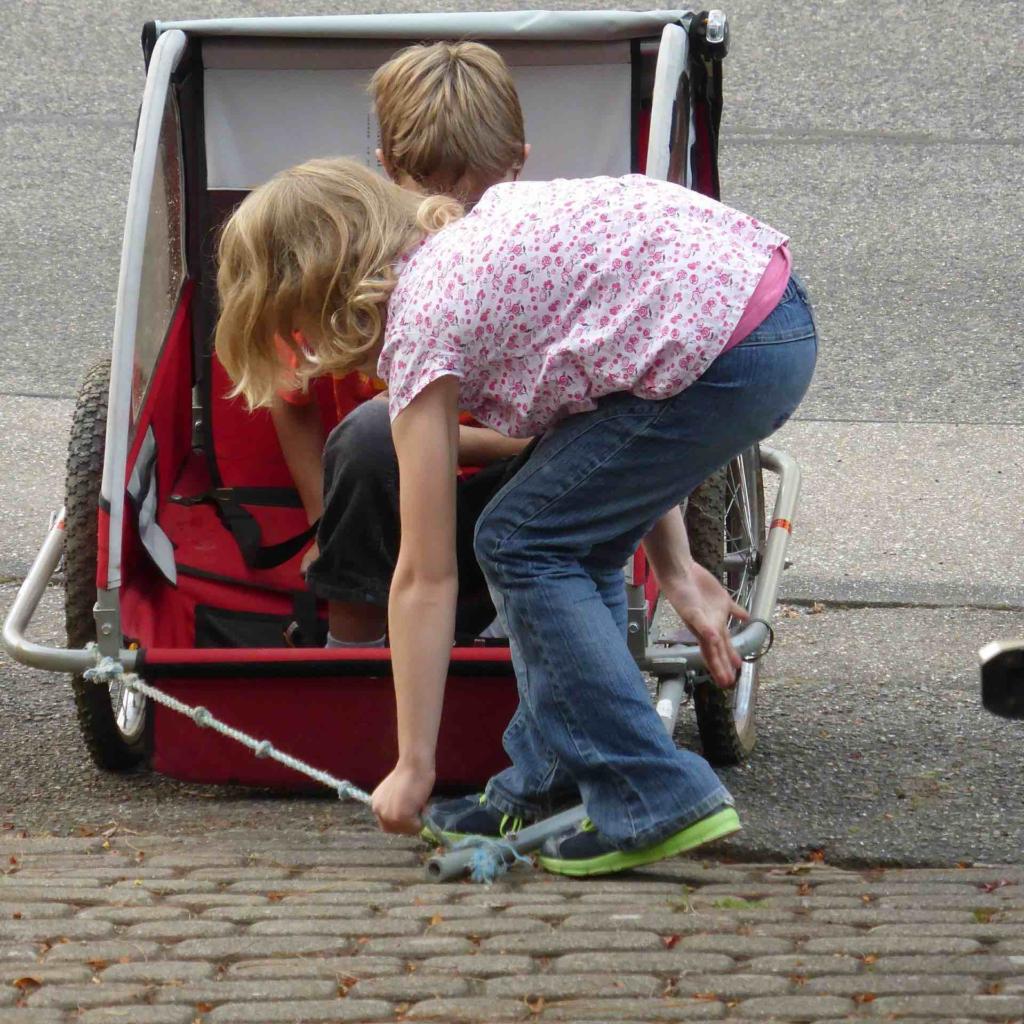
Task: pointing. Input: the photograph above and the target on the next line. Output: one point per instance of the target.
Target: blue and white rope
(108, 671)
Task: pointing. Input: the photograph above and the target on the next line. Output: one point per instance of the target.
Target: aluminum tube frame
(456, 863)
(53, 659)
(166, 55)
(678, 659)
(673, 64)
(510, 25)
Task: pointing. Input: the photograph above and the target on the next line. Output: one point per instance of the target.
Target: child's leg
(577, 511)
(536, 783)
(358, 534)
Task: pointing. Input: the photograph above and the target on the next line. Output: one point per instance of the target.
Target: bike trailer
(182, 533)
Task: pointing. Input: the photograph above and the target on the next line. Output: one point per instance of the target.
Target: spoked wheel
(725, 520)
(112, 719)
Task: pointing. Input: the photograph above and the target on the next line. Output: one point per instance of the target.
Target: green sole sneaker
(715, 826)
(446, 822)
(428, 835)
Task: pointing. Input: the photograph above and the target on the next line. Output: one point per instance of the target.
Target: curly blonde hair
(312, 251)
(449, 116)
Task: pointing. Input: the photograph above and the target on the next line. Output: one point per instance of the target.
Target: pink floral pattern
(549, 295)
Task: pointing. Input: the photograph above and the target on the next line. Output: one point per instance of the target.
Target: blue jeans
(552, 544)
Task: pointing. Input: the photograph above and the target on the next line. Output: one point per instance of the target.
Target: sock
(495, 631)
(333, 642)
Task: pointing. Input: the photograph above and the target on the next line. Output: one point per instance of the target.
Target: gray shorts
(359, 530)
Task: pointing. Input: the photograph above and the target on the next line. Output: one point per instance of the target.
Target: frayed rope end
(491, 858)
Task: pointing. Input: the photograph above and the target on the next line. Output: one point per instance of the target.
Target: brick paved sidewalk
(239, 928)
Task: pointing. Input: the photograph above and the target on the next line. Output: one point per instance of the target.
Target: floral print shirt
(549, 295)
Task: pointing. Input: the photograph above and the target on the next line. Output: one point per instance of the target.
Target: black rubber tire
(714, 522)
(108, 746)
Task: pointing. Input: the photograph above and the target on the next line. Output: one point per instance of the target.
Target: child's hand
(311, 555)
(705, 606)
(399, 799)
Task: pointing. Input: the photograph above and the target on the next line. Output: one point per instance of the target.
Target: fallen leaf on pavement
(26, 985)
(992, 886)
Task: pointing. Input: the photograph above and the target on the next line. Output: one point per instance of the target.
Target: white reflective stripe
(258, 122)
(491, 25)
(672, 63)
(164, 59)
(142, 489)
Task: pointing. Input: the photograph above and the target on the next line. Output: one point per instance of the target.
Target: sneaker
(584, 851)
(448, 821)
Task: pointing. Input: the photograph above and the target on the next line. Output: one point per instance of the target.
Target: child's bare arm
(698, 598)
(424, 588)
(301, 435)
(480, 446)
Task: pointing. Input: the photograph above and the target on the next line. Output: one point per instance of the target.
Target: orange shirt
(349, 391)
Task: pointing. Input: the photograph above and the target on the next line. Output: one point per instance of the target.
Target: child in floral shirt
(605, 314)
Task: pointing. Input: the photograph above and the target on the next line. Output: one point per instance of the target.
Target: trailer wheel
(113, 720)
(725, 520)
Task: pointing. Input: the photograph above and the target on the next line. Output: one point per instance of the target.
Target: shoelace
(508, 823)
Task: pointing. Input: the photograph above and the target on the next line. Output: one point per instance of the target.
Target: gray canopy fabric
(282, 90)
(259, 122)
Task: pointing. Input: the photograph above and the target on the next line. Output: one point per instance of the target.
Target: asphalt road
(887, 143)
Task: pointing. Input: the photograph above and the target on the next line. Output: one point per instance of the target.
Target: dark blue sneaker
(448, 821)
(584, 851)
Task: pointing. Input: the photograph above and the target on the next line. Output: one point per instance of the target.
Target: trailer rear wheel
(725, 520)
(113, 720)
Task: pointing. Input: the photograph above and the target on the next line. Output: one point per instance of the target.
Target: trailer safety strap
(242, 525)
(108, 671)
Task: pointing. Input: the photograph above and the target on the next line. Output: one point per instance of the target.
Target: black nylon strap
(242, 525)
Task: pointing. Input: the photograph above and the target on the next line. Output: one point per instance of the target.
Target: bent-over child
(648, 334)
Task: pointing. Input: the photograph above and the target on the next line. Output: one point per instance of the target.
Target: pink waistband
(766, 295)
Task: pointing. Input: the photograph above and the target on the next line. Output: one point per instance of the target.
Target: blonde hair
(449, 116)
(312, 251)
